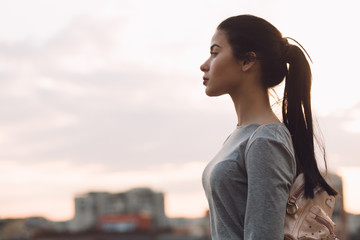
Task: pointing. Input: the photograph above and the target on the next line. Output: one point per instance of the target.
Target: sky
(108, 95)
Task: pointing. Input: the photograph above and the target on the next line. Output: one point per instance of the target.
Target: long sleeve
(247, 183)
(270, 168)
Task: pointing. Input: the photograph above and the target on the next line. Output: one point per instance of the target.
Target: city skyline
(108, 95)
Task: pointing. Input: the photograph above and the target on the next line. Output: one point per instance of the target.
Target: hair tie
(286, 44)
(285, 41)
(284, 50)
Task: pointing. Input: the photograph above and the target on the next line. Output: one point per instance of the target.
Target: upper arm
(270, 170)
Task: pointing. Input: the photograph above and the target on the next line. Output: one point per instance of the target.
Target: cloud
(341, 135)
(77, 96)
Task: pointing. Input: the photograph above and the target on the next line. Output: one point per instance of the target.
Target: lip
(205, 80)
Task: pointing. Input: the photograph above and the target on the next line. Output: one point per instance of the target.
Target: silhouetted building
(354, 226)
(339, 215)
(24, 228)
(95, 206)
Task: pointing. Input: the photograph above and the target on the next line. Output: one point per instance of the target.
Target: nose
(204, 67)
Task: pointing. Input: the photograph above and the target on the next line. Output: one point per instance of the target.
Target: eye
(213, 53)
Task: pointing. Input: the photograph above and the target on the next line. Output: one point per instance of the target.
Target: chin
(211, 93)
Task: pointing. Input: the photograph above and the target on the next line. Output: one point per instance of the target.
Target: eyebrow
(214, 45)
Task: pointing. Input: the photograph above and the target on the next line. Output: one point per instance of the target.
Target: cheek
(218, 68)
(221, 79)
(224, 70)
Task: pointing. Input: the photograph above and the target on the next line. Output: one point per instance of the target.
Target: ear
(249, 61)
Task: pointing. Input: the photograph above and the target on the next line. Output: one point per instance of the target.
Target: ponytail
(280, 60)
(297, 117)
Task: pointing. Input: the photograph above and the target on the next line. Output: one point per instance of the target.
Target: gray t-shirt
(247, 183)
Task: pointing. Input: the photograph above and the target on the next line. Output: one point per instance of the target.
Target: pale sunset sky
(101, 95)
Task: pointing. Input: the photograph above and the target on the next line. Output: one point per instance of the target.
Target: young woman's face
(221, 70)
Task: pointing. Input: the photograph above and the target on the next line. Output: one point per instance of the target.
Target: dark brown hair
(279, 60)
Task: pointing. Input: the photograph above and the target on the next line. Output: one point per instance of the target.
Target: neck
(253, 107)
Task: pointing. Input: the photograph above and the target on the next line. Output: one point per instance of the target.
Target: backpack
(309, 218)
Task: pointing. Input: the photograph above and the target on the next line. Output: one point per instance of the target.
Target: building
(124, 223)
(354, 226)
(92, 207)
(339, 215)
(23, 228)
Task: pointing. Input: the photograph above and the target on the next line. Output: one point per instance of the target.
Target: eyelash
(213, 53)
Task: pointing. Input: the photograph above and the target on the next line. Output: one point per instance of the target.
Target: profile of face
(222, 71)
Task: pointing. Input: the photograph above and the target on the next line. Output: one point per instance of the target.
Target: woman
(247, 183)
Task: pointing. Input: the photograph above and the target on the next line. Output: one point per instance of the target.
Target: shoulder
(269, 151)
(276, 131)
(271, 134)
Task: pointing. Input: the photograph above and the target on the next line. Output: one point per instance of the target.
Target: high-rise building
(89, 207)
(144, 200)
